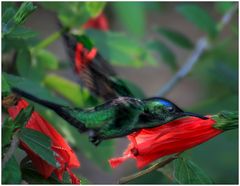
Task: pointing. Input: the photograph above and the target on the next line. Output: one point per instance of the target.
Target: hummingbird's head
(160, 109)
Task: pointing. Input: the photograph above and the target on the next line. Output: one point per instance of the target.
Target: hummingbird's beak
(194, 114)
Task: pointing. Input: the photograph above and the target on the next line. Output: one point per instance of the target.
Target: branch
(148, 170)
(14, 144)
(201, 46)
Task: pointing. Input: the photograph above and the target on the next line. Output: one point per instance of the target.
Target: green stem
(49, 40)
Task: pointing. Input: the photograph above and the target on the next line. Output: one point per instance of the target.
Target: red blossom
(82, 56)
(65, 155)
(100, 22)
(148, 145)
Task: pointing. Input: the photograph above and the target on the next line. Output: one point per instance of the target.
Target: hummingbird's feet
(93, 138)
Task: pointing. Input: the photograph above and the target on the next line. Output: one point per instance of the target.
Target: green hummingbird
(117, 117)
(121, 114)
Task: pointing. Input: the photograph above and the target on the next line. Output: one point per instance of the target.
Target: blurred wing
(97, 75)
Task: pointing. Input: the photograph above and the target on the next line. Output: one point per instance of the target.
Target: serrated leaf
(187, 172)
(118, 49)
(33, 88)
(166, 54)
(38, 143)
(176, 37)
(199, 17)
(94, 8)
(134, 21)
(11, 172)
(23, 117)
(79, 96)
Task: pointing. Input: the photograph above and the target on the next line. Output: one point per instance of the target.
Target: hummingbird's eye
(170, 109)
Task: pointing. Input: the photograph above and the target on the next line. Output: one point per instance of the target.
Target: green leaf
(176, 37)
(95, 8)
(8, 13)
(223, 7)
(46, 60)
(79, 96)
(199, 17)
(134, 21)
(11, 172)
(5, 85)
(118, 49)
(166, 54)
(23, 12)
(23, 117)
(23, 62)
(186, 172)
(21, 32)
(7, 131)
(33, 88)
(72, 14)
(38, 143)
(31, 175)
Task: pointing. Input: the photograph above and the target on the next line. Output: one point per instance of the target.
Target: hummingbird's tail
(59, 109)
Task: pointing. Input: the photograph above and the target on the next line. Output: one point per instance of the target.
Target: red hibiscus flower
(65, 156)
(82, 56)
(100, 22)
(177, 136)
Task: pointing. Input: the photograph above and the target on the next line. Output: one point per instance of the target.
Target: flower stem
(148, 170)
(50, 39)
(226, 120)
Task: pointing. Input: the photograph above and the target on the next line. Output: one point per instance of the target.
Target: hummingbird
(121, 114)
(117, 117)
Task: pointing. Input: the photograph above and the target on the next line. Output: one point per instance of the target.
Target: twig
(14, 144)
(148, 170)
(201, 46)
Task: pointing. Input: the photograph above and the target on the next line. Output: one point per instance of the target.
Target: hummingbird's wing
(97, 75)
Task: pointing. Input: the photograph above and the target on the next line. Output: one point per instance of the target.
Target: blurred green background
(147, 43)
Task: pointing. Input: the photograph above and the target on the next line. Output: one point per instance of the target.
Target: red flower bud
(147, 145)
(100, 23)
(65, 155)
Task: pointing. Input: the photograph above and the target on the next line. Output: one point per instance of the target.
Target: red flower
(65, 156)
(82, 56)
(147, 145)
(100, 23)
